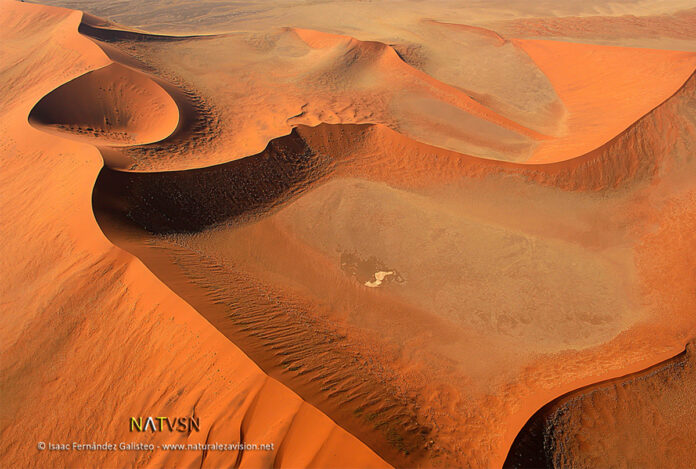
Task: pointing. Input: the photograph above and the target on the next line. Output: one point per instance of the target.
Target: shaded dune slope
(364, 401)
(260, 319)
(113, 105)
(595, 426)
(81, 317)
(104, 30)
(196, 199)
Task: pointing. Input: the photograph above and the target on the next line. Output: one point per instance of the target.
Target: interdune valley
(372, 234)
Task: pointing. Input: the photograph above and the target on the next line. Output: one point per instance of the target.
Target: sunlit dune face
(370, 233)
(113, 105)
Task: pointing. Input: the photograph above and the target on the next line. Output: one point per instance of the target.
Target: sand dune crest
(113, 105)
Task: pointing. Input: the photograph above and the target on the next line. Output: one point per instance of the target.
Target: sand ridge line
(93, 319)
(318, 40)
(530, 447)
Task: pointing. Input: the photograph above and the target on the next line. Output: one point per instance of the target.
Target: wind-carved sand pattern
(449, 239)
(285, 334)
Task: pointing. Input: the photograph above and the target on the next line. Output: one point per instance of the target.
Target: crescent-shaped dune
(90, 337)
(113, 105)
(581, 74)
(418, 246)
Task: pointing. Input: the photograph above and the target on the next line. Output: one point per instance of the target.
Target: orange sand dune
(370, 71)
(118, 107)
(273, 252)
(89, 336)
(317, 77)
(395, 70)
(646, 419)
(639, 80)
(381, 245)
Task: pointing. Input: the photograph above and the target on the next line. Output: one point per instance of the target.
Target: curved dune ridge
(298, 180)
(592, 119)
(113, 105)
(364, 67)
(582, 74)
(259, 197)
(105, 30)
(82, 318)
(596, 425)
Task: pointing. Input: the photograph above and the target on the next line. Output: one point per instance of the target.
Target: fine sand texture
(90, 337)
(371, 234)
(645, 419)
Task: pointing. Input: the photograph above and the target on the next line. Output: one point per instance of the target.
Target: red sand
(90, 337)
(414, 269)
(618, 86)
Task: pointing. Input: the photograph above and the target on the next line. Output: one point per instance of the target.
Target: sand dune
(113, 105)
(196, 199)
(305, 208)
(88, 332)
(381, 245)
(333, 79)
(108, 31)
(643, 419)
(433, 111)
(593, 116)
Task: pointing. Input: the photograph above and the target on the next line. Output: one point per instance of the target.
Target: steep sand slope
(113, 105)
(444, 362)
(89, 336)
(601, 91)
(428, 301)
(646, 419)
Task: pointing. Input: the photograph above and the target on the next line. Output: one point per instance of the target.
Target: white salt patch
(379, 277)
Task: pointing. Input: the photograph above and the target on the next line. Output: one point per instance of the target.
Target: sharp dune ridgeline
(460, 237)
(90, 335)
(623, 420)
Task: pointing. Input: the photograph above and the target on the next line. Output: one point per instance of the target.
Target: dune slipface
(445, 239)
(113, 105)
(637, 419)
(84, 321)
